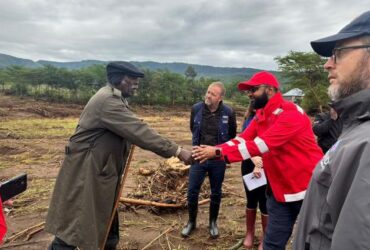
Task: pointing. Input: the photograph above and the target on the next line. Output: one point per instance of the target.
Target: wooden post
(116, 202)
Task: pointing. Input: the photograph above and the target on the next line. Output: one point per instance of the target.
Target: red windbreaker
(282, 134)
(2, 223)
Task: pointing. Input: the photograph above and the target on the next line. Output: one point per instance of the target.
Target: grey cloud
(219, 33)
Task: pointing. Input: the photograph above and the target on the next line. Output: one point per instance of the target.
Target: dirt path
(28, 145)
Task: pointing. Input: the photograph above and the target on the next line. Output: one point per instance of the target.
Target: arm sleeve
(192, 119)
(3, 227)
(248, 144)
(321, 126)
(351, 218)
(121, 121)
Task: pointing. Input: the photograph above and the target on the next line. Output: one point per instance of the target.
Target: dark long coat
(86, 186)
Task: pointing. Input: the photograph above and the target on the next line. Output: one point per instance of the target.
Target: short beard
(358, 81)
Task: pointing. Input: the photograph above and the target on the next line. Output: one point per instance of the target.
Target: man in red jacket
(282, 134)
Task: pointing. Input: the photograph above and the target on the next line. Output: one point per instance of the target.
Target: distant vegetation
(164, 83)
(77, 86)
(226, 74)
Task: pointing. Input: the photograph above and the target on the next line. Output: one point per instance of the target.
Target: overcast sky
(230, 33)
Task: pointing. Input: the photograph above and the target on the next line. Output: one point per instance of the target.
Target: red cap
(260, 78)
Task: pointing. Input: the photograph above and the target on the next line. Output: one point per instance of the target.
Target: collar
(117, 92)
(218, 108)
(354, 108)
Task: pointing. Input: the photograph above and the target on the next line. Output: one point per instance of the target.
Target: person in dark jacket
(335, 212)
(281, 133)
(327, 127)
(211, 122)
(257, 197)
(87, 184)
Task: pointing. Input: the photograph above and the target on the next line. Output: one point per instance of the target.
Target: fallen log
(149, 203)
(156, 204)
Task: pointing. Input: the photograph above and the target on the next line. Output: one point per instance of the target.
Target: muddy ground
(32, 138)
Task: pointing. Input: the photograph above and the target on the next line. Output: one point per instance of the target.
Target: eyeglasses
(337, 52)
(254, 89)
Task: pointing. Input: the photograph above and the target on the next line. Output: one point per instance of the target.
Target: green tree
(2, 82)
(170, 85)
(237, 96)
(190, 72)
(17, 75)
(305, 70)
(148, 90)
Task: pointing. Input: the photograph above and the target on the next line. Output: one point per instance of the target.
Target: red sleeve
(251, 131)
(248, 144)
(2, 223)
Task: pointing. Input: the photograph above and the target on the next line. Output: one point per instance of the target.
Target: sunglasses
(254, 89)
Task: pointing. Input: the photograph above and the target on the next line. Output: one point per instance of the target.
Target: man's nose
(329, 63)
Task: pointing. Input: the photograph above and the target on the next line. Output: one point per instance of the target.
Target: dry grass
(35, 199)
(37, 128)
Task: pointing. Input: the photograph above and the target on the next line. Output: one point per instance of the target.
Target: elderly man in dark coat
(87, 184)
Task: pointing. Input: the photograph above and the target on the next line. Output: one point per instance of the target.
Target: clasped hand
(203, 152)
(258, 164)
(185, 156)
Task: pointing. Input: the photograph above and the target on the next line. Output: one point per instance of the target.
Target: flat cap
(123, 68)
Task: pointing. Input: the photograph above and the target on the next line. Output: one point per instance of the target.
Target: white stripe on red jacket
(282, 134)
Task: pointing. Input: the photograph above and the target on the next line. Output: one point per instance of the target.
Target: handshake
(199, 153)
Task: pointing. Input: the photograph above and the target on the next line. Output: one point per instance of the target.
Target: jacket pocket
(109, 168)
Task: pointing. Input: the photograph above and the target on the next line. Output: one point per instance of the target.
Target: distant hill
(6, 60)
(226, 74)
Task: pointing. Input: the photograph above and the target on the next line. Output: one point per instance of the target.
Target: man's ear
(271, 92)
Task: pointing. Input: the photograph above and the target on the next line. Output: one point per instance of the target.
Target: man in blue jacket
(211, 123)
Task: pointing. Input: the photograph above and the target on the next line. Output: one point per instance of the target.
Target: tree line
(298, 70)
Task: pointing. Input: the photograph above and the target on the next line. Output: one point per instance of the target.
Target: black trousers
(111, 244)
(257, 196)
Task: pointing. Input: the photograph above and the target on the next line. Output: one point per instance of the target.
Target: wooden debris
(33, 232)
(28, 232)
(164, 187)
(237, 245)
(149, 203)
(157, 204)
(146, 172)
(159, 236)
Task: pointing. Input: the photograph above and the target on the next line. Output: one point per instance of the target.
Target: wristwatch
(218, 152)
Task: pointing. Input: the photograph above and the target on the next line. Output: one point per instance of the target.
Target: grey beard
(359, 80)
(333, 93)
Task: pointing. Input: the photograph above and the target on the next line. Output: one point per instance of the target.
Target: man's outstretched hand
(203, 152)
(185, 156)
